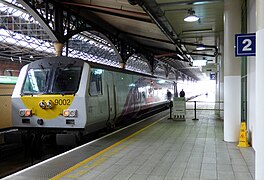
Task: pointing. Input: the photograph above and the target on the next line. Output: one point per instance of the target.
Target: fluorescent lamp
(200, 47)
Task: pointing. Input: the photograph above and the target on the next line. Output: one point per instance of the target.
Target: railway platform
(156, 148)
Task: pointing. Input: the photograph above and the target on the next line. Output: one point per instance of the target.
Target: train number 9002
(62, 102)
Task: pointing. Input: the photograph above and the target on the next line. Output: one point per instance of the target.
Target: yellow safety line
(67, 171)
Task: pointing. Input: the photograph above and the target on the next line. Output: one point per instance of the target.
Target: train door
(137, 95)
(111, 93)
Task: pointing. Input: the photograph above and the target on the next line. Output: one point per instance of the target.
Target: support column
(232, 74)
(259, 145)
(58, 47)
(122, 65)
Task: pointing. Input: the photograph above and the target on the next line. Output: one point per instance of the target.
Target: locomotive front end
(49, 95)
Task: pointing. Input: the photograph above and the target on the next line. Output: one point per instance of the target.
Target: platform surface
(161, 149)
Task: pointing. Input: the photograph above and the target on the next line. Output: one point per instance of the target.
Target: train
(70, 97)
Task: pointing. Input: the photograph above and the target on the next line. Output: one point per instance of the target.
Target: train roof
(94, 65)
(115, 69)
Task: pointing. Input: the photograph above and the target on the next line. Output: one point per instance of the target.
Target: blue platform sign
(212, 76)
(245, 44)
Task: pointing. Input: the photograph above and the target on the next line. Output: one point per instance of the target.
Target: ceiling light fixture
(200, 47)
(191, 17)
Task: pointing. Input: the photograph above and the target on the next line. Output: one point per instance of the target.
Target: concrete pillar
(58, 47)
(259, 155)
(232, 72)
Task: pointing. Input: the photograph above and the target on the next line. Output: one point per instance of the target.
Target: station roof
(159, 24)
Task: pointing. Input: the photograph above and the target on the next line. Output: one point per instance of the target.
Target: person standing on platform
(182, 93)
(169, 95)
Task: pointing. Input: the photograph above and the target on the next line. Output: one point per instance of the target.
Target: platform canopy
(157, 25)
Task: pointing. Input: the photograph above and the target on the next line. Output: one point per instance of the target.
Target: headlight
(42, 104)
(70, 113)
(49, 104)
(25, 112)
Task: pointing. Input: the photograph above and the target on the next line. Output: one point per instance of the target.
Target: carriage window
(67, 80)
(96, 82)
(36, 81)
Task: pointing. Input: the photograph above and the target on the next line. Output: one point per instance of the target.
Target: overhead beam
(184, 3)
(40, 19)
(157, 15)
(200, 54)
(206, 46)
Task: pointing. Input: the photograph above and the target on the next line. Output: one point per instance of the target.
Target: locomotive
(70, 96)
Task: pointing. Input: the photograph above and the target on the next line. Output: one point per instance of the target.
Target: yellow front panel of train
(39, 105)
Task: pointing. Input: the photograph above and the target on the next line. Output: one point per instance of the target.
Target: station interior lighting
(200, 47)
(198, 63)
(191, 17)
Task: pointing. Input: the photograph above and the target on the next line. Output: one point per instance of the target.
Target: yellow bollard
(243, 140)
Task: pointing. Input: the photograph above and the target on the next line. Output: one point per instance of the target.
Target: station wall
(10, 68)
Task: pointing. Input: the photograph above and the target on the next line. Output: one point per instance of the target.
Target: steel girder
(62, 23)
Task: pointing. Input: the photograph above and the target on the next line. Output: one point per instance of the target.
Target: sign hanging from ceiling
(245, 44)
(212, 76)
(210, 67)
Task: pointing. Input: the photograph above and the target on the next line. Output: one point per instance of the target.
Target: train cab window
(36, 81)
(66, 80)
(96, 82)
